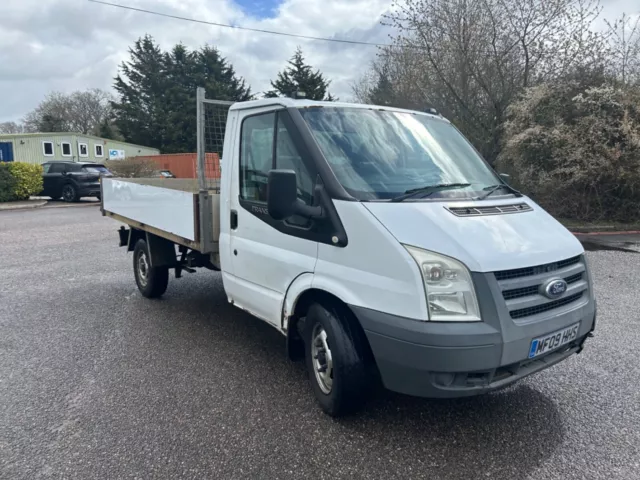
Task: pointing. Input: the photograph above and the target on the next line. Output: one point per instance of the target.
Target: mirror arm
(308, 211)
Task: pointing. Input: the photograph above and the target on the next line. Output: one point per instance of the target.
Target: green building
(42, 147)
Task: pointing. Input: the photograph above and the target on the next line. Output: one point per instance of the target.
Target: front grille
(574, 278)
(525, 312)
(520, 292)
(534, 289)
(529, 271)
(490, 210)
(521, 287)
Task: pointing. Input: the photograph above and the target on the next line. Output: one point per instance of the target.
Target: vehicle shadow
(506, 434)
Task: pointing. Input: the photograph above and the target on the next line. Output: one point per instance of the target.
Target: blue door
(6, 152)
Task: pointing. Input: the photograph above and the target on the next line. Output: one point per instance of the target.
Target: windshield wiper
(494, 188)
(429, 189)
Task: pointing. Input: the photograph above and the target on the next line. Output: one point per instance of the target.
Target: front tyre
(152, 281)
(336, 358)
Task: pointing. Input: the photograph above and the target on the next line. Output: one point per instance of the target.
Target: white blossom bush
(576, 150)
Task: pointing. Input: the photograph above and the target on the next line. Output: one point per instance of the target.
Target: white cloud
(73, 44)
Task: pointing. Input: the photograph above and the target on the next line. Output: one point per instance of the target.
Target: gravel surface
(97, 382)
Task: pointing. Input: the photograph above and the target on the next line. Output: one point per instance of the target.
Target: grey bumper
(431, 359)
(446, 360)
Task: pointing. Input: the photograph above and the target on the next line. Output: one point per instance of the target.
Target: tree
(470, 59)
(624, 40)
(108, 130)
(300, 77)
(11, 127)
(157, 93)
(80, 112)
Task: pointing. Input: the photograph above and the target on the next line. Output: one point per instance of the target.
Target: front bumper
(442, 360)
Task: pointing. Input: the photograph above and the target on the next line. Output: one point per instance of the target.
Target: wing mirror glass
(281, 193)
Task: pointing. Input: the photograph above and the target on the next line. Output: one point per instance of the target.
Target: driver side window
(288, 158)
(256, 156)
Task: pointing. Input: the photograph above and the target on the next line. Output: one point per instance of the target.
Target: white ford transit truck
(377, 240)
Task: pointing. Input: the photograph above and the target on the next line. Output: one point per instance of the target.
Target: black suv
(72, 180)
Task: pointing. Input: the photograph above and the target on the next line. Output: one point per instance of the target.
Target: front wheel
(337, 361)
(152, 281)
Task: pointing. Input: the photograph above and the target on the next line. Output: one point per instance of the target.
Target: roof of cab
(291, 103)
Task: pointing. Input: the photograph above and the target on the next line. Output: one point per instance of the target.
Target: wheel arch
(300, 296)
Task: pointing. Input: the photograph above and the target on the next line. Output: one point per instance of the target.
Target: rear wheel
(152, 281)
(69, 193)
(337, 360)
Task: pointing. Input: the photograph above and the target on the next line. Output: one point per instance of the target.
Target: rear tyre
(152, 281)
(337, 360)
(69, 193)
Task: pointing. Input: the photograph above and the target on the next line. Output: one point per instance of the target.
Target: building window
(99, 151)
(83, 150)
(66, 149)
(47, 149)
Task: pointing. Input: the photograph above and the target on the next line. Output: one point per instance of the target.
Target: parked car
(163, 174)
(72, 180)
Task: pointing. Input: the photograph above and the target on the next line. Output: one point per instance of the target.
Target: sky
(67, 45)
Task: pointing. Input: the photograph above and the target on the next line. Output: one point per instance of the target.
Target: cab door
(265, 255)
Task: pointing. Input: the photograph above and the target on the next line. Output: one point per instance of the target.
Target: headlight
(451, 296)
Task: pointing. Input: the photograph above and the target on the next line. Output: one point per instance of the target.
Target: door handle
(234, 219)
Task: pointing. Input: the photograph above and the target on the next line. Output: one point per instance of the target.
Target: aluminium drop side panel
(166, 209)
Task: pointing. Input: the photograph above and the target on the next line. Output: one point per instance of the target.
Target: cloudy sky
(67, 45)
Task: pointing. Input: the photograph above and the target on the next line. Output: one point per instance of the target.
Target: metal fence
(212, 121)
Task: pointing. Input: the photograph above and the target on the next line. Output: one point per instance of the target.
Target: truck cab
(382, 245)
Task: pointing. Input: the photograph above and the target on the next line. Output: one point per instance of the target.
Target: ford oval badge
(554, 288)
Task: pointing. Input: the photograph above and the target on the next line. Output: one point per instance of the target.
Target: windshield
(377, 154)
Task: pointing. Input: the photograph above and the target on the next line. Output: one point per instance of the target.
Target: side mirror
(282, 197)
(282, 194)
(506, 177)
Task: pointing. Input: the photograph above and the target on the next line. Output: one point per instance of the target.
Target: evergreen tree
(106, 129)
(299, 77)
(382, 92)
(139, 112)
(157, 90)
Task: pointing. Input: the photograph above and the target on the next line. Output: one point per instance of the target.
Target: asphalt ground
(97, 382)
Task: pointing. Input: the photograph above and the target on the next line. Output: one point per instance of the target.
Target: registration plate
(553, 340)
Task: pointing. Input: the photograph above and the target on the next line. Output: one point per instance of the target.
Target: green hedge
(19, 181)
(7, 184)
